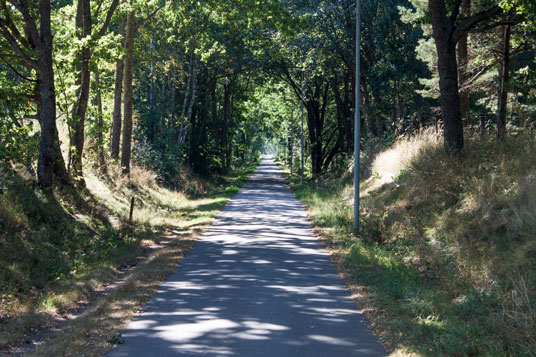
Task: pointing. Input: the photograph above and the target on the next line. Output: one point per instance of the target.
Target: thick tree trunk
(198, 132)
(448, 77)
(503, 86)
(462, 69)
(316, 142)
(83, 26)
(315, 124)
(127, 127)
(50, 159)
(118, 93)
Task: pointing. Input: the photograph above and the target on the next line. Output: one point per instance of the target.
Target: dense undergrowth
(446, 258)
(56, 249)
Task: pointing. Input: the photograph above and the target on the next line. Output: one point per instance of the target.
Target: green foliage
(18, 143)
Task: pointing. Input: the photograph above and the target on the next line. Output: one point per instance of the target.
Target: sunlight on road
(257, 282)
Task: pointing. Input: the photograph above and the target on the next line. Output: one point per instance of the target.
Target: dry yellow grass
(165, 224)
(388, 164)
(446, 262)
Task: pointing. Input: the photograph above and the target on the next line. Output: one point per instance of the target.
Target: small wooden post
(131, 210)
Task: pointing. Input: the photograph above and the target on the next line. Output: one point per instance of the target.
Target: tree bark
(225, 125)
(100, 123)
(316, 102)
(50, 161)
(343, 114)
(127, 127)
(503, 86)
(186, 95)
(380, 120)
(161, 106)
(173, 121)
(448, 77)
(83, 26)
(187, 122)
(366, 102)
(315, 122)
(462, 69)
(152, 105)
(446, 35)
(197, 157)
(118, 93)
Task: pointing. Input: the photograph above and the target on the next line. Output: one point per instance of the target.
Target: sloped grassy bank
(446, 261)
(57, 250)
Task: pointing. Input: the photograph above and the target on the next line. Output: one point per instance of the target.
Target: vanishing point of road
(256, 283)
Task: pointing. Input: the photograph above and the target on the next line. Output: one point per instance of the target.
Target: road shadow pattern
(257, 282)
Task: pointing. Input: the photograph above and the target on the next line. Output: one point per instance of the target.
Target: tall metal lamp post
(357, 120)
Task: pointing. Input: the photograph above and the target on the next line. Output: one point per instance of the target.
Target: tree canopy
(211, 84)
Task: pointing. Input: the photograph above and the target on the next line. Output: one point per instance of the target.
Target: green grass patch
(57, 249)
(445, 262)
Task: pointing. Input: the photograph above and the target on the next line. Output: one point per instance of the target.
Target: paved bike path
(256, 283)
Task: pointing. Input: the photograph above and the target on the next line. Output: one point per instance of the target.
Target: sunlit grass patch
(445, 263)
(57, 251)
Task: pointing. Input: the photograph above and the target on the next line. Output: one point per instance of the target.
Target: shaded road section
(256, 283)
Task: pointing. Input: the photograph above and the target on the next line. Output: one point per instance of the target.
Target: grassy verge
(445, 264)
(62, 252)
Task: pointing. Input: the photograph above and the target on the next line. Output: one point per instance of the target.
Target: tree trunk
(462, 69)
(503, 86)
(380, 121)
(316, 109)
(118, 92)
(341, 114)
(290, 152)
(174, 134)
(313, 123)
(186, 95)
(229, 156)
(127, 127)
(152, 105)
(365, 98)
(184, 130)
(448, 77)
(161, 107)
(225, 126)
(100, 123)
(50, 159)
(197, 147)
(83, 26)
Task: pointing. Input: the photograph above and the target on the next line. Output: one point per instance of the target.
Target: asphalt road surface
(257, 283)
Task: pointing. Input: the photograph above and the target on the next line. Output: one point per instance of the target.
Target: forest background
(189, 92)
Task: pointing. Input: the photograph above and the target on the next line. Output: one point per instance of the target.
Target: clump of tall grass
(449, 237)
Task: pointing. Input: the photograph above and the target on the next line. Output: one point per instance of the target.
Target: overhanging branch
(472, 21)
